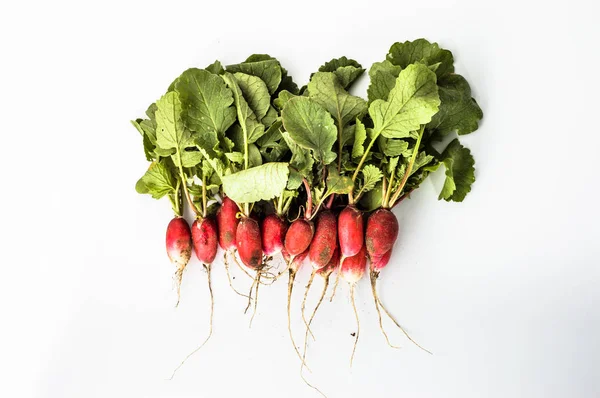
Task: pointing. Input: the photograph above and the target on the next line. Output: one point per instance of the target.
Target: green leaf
(392, 165)
(372, 199)
(190, 158)
(170, 131)
(325, 89)
(458, 111)
(460, 172)
(383, 79)
(157, 181)
(251, 128)
(412, 102)
(310, 126)
(301, 159)
(255, 93)
(360, 135)
(254, 156)
(236, 157)
(208, 101)
(271, 117)
(422, 51)
(287, 83)
(262, 66)
(257, 183)
(346, 70)
(371, 176)
(337, 184)
(216, 68)
(392, 147)
(283, 98)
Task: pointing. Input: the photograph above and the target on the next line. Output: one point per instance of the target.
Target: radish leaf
(460, 172)
(257, 183)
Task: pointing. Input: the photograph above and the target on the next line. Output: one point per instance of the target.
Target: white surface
(503, 288)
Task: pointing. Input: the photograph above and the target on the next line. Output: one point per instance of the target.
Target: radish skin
(179, 248)
(273, 231)
(350, 231)
(204, 238)
(381, 234)
(324, 241)
(227, 223)
(248, 242)
(298, 237)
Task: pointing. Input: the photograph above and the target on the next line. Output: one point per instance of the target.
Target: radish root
(337, 281)
(289, 323)
(258, 273)
(210, 329)
(357, 322)
(312, 316)
(391, 317)
(226, 262)
(310, 281)
(178, 278)
(375, 298)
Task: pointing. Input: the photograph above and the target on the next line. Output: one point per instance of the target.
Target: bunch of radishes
(273, 171)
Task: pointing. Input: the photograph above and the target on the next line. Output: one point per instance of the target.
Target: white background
(503, 288)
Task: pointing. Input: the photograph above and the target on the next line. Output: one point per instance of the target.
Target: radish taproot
(179, 248)
(352, 269)
(381, 234)
(227, 222)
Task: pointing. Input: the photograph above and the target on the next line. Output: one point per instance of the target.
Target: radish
(248, 242)
(352, 269)
(298, 237)
(322, 248)
(179, 248)
(350, 231)
(205, 237)
(227, 222)
(273, 231)
(381, 234)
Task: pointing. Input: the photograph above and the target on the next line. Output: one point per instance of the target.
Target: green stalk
(408, 169)
(204, 200)
(364, 157)
(340, 147)
(386, 197)
(183, 182)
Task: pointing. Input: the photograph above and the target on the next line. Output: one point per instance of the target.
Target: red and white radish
(350, 231)
(179, 248)
(273, 231)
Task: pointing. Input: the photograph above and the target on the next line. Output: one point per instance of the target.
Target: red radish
(248, 242)
(179, 248)
(204, 237)
(228, 222)
(352, 269)
(298, 237)
(324, 241)
(350, 231)
(382, 232)
(377, 263)
(273, 233)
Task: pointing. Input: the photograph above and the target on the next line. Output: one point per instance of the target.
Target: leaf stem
(184, 184)
(340, 146)
(364, 157)
(387, 194)
(203, 196)
(408, 169)
(309, 204)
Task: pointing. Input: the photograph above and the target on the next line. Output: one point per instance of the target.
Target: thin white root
(312, 316)
(337, 281)
(178, 278)
(250, 293)
(400, 327)
(229, 276)
(255, 298)
(310, 281)
(210, 330)
(375, 298)
(310, 385)
(289, 311)
(357, 323)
